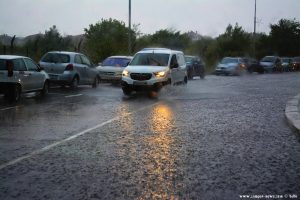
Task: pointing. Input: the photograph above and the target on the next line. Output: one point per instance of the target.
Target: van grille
(140, 76)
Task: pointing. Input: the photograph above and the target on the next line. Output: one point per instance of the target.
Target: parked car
(271, 64)
(112, 67)
(231, 66)
(252, 65)
(287, 64)
(152, 68)
(296, 64)
(19, 74)
(194, 66)
(70, 68)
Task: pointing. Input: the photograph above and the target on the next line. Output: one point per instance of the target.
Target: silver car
(20, 74)
(231, 66)
(110, 70)
(70, 68)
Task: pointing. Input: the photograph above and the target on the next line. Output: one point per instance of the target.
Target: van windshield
(151, 59)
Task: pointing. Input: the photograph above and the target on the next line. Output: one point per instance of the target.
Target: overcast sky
(207, 17)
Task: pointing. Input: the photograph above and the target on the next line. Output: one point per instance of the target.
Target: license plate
(139, 83)
(53, 77)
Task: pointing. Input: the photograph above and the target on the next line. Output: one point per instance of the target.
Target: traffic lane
(188, 145)
(36, 123)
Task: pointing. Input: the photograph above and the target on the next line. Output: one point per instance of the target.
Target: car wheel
(15, 95)
(95, 82)
(202, 74)
(126, 91)
(185, 80)
(74, 83)
(45, 89)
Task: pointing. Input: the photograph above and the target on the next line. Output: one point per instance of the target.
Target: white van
(152, 68)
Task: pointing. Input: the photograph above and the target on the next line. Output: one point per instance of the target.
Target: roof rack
(154, 48)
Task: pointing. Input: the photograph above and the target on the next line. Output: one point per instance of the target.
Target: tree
(170, 39)
(106, 38)
(234, 42)
(285, 37)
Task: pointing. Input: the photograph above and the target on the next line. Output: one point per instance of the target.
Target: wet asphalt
(216, 138)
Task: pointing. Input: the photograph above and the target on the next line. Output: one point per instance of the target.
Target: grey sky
(207, 17)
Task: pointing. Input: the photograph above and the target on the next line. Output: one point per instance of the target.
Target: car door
(174, 69)
(35, 77)
(182, 66)
(88, 69)
(20, 71)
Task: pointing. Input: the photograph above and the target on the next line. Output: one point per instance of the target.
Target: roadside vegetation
(110, 37)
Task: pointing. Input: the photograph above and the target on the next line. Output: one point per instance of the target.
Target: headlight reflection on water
(160, 159)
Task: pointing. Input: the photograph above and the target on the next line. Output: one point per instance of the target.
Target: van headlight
(125, 73)
(160, 74)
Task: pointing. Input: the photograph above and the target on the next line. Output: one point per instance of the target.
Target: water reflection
(160, 165)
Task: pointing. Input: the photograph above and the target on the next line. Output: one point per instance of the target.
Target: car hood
(145, 69)
(110, 69)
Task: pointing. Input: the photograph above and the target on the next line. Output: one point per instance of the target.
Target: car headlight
(125, 73)
(160, 74)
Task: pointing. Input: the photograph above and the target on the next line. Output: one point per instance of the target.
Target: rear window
(56, 58)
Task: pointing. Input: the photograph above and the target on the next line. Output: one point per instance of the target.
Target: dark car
(287, 64)
(253, 66)
(271, 64)
(194, 66)
(296, 64)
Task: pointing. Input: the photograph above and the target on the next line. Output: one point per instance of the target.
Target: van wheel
(126, 91)
(185, 80)
(45, 89)
(74, 83)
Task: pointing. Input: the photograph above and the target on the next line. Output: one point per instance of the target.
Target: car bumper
(65, 78)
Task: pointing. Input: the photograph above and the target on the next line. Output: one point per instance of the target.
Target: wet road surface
(217, 138)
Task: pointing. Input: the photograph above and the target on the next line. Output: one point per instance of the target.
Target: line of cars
(150, 69)
(239, 65)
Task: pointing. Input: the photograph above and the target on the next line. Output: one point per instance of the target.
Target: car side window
(180, 59)
(31, 66)
(78, 59)
(173, 60)
(19, 65)
(85, 60)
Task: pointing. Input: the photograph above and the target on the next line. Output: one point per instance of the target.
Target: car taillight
(69, 67)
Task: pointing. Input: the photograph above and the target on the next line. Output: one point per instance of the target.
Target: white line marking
(46, 148)
(9, 108)
(75, 95)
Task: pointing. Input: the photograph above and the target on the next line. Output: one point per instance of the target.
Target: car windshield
(151, 59)
(268, 59)
(188, 59)
(116, 62)
(297, 59)
(285, 60)
(229, 60)
(56, 58)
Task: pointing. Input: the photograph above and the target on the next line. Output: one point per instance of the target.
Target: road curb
(292, 112)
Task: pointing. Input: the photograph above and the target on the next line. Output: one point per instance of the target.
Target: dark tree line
(110, 37)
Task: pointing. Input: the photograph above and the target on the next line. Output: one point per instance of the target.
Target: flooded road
(217, 138)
